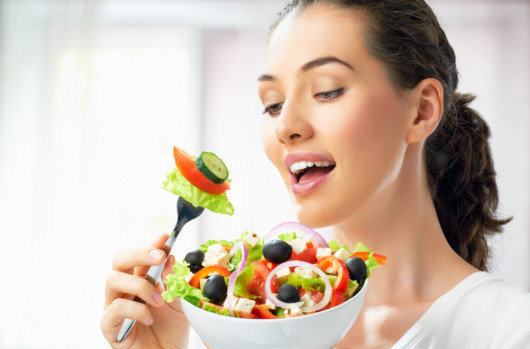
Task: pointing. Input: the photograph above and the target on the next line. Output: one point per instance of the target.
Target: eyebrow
(318, 62)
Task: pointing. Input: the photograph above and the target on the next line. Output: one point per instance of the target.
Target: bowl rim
(357, 295)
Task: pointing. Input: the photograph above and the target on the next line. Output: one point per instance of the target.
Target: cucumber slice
(212, 167)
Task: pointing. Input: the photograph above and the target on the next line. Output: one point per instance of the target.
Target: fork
(185, 213)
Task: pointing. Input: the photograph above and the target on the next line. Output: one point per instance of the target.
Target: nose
(293, 124)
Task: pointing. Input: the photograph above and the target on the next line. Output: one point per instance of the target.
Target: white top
(482, 311)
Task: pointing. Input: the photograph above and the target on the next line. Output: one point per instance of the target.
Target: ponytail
(461, 179)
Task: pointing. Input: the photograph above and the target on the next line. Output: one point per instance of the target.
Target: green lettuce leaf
(215, 310)
(204, 247)
(177, 184)
(334, 245)
(287, 237)
(177, 286)
(371, 262)
(242, 282)
(308, 284)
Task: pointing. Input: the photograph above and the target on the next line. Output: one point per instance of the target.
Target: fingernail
(156, 254)
(157, 298)
(150, 320)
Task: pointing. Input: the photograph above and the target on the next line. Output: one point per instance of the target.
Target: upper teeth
(302, 165)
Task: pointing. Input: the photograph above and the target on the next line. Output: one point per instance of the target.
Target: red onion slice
(232, 281)
(274, 300)
(301, 231)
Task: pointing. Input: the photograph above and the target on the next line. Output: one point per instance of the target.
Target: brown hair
(405, 36)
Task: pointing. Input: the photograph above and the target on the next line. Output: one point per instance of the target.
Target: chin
(315, 216)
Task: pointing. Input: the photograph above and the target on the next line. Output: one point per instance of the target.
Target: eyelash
(334, 94)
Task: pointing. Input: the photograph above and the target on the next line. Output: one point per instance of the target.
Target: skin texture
(350, 114)
(377, 193)
(159, 324)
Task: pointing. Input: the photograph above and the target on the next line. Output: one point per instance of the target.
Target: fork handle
(153, 274)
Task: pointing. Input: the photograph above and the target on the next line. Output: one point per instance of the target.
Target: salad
(292, 271)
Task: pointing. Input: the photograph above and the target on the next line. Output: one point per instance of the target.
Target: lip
(306, 188)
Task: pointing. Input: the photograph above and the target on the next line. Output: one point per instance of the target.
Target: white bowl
(321, 330)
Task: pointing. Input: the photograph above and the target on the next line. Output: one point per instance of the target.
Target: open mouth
(307, 171)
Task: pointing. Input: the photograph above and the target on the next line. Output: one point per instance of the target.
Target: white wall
(93, 95)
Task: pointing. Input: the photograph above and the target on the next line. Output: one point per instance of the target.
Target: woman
(369, 87)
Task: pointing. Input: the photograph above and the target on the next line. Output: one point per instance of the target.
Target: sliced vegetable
(231, 283)
(262, 311)
(224, 311)
(308, 255)
(212, 167)
(258, 282)
(365, 255)
(195, 281)
(274, 300)
(301, 231)
(177, 184)
(341, 284)
(186, 166)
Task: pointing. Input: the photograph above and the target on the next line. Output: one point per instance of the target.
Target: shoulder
(481, 311)
(486, 309)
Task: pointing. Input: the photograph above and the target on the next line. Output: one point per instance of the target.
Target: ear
(428, 101)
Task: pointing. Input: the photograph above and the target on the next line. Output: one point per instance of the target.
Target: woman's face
(334, 126)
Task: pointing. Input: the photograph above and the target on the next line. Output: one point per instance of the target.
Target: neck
(401, 223)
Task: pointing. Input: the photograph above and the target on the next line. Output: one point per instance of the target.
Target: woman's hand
(158, 324)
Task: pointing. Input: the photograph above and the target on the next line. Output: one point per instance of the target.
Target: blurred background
(95, 93)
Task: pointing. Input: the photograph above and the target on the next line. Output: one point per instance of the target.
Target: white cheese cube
(234, 302)
(331, 271)
(323, 252)
(305, 272)
(282, 274)
(298, 245)
(252, 239)
(308, 301)
(342, 254)
(296, 311)
(270, 305)
(245, 304)
(216, 254)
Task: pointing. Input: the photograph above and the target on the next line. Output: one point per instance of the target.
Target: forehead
(317, 31)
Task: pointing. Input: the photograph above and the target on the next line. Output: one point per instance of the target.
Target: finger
(119, 310)
(119, 283)
(168, 268)
(143, 256)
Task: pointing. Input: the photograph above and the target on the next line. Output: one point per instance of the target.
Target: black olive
(277, 251)
(288, 293)
(357, 268)
(194, 259)
(215, 288)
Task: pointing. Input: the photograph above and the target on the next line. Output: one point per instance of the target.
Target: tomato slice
(186, 166)
(315, 295)
(257, 284)
(308, 255)
(241, 314)
(195, 281)
(365, 255)
(262, 311)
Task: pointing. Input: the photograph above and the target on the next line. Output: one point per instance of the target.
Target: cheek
(270, 142)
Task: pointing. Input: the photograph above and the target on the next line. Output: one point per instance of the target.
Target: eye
(329, 95)
(273, 109)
